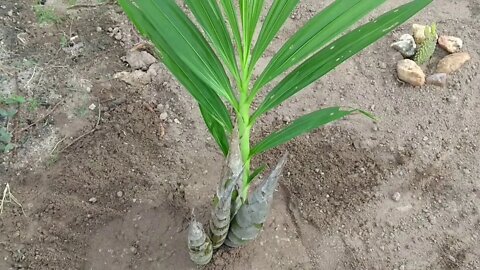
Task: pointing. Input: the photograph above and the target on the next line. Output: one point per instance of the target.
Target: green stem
(244, 129)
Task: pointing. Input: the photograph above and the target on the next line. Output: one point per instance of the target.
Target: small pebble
(119, 194)
(92, 200)
(99, 29)
(92, 107)
(118, 36)
(396, 196)
(10, 13)
(163, 116)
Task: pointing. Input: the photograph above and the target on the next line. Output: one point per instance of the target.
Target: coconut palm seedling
(214, 53)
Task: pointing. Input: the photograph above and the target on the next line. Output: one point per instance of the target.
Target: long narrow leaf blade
(300, 126)
(217, 131)
(180, 33)
(318, 32)
(276, 17)
(210, 17)
(229, 10)
(205, 96)
(250, 11)
(336, 53)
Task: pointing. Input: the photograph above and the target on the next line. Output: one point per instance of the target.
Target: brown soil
(119, 197)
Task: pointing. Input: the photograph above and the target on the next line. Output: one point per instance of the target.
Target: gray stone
(140, 59)
(437, 79)
(405, 45)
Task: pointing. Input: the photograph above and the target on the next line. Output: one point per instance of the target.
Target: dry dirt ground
(119, 197)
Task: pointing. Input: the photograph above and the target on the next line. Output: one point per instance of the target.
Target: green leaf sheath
(216, 129)
(336, 53)
(229, 9)
(171, 56)
(209, 15)
(300, 126)
(189, 44)
(250, 11)
(276, 17)
(318, 32)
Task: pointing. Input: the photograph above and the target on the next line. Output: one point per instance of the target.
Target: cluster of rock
(411, 72)
(146, 68)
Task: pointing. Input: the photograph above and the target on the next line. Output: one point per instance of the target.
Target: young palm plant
(215, 58)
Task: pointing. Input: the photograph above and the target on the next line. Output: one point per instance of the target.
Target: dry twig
(36, 122)
(9, 198)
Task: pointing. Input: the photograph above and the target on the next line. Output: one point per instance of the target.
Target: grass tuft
(46, 15)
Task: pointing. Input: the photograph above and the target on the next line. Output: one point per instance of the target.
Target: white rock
(118, 36)
(452, 62)
(405, 45)
(140, 59)
(92, 106)
(408, 71)
(163, 116)
(396, 196)
(418, 33)
(450, 44)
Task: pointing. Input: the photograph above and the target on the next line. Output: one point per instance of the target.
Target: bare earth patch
(401, 193)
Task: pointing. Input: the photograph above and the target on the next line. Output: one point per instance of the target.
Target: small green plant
(6, 144)
(427, 48)
(33, 104)
(45, 15)
(216, 65)
(7, 111)
(63, 41)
